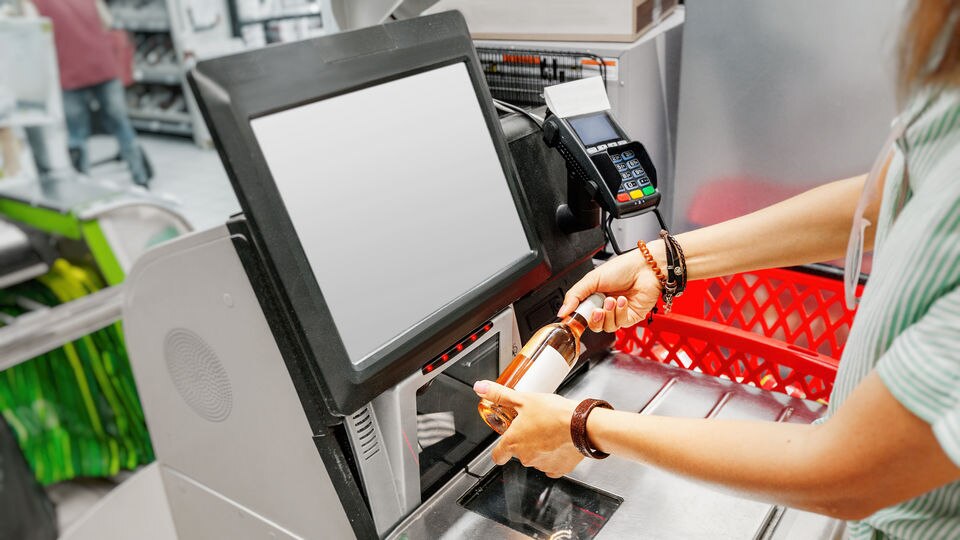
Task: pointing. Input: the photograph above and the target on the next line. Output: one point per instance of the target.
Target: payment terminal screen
(594, 129)
(398, 198)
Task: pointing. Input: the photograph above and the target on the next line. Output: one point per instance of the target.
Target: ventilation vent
(198, 375)
(365, 433)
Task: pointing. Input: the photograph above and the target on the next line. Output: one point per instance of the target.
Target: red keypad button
(623, 197)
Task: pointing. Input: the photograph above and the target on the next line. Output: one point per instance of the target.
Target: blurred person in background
(89, 71)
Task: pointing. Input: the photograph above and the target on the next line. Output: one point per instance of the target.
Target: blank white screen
(398, 198)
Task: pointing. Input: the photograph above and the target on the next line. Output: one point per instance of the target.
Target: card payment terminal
(617, 172)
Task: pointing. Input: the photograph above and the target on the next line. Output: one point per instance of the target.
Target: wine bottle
(543, 362)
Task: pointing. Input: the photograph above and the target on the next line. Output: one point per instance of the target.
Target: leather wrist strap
(578, 427)
(676, 270)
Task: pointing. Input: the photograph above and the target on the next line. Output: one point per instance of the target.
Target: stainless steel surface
(777, 96)
(798, 525)
(41, 331)
(251, 466)
(656, 504)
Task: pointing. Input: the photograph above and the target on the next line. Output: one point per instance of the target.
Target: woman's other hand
(630, 285)
(540, 434)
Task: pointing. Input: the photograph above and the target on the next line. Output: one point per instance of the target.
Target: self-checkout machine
(306, 368)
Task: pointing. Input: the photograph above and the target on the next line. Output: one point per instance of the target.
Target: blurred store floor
(185, 173)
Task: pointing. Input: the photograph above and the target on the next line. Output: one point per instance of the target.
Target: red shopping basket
(780, 329)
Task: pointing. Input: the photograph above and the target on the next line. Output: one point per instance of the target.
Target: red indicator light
(473, 337)
(487, 327)
(445, 357)
(459, 347)
(428, 368)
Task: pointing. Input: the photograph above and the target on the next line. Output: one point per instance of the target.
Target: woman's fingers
(621, 312)
(500, 453)
(614, 315)
(501, 395)
(580, 290)
(596, 320)
(609, 314)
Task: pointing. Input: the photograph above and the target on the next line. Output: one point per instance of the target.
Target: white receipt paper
(577, 97)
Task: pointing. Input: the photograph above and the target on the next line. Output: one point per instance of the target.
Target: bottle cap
(594, 301)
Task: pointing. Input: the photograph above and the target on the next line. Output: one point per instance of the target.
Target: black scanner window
(528, 501)
(450, 431)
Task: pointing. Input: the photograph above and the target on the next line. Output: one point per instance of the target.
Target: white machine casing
(224, 417)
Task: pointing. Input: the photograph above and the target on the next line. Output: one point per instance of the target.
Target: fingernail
(608, 303)
(481, 387)
(621, 302)
(562, 307)
(597, 316)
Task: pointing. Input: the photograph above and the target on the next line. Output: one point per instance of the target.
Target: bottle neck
(576, 322)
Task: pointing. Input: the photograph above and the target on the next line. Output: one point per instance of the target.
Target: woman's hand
(631, 287)
(540, 434)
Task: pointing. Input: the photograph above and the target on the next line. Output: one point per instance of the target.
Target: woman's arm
(871, 454)
(811, 227)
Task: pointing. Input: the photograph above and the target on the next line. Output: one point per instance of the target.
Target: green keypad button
(649, 190)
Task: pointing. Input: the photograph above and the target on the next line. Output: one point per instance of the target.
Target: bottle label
(547, 372)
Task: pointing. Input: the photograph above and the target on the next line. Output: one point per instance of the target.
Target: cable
(611, 237)
(663, 224)
(511, 108)
(607, 220)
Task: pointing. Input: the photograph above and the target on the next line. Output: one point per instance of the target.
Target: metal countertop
(656, 504)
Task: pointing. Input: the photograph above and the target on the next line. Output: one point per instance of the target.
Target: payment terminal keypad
(635, 184)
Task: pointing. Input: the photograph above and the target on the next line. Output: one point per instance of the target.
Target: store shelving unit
(157, 68)
(169, 36)
(261, 23)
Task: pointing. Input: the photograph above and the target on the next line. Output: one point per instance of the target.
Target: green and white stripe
(908, 324)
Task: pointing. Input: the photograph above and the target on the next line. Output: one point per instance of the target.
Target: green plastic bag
(75, 410)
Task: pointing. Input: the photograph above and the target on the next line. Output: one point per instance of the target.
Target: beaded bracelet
(642, 246)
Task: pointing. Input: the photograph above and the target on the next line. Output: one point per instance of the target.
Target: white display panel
(398, 198)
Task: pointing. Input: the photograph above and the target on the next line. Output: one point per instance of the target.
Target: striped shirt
(908, 323)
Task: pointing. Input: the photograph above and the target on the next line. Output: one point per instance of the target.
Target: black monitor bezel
(231, 91)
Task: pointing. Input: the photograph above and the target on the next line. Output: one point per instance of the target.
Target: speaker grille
(198, 375)
(365, 433)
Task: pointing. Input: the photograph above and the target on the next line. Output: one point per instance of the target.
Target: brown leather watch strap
(578, 427)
